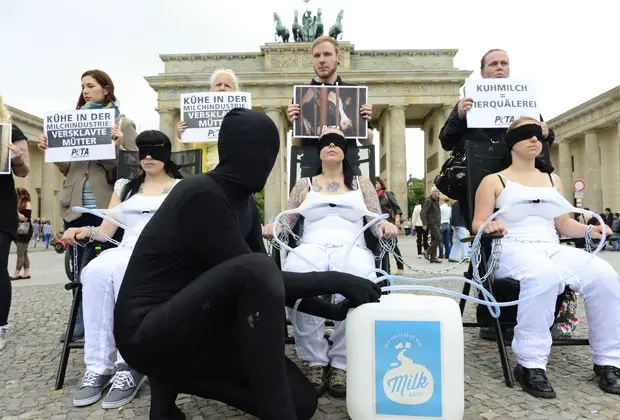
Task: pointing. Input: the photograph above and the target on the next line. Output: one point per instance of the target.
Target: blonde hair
(522, 121)
(325, 38)
(228, 72)
(5, 115)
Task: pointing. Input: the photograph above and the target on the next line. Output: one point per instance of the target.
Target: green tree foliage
(260, 203)
(415, 190)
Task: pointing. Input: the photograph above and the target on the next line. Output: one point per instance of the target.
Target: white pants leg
(361, 262)
(459, 233)
(599, 285)
(311, 348)
(532, 267)
(101, 281)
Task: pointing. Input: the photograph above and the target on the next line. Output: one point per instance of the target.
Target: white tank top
(333, 219)
(532, 221)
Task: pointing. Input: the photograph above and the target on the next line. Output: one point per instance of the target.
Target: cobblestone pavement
(40, 309)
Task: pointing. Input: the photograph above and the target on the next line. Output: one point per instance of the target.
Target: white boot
(3, 331)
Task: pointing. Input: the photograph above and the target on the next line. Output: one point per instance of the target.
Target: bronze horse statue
(336, 28)
(281, 30)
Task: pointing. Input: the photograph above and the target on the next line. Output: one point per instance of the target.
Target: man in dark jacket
(431, 219)
(494, 64)
(325, 61)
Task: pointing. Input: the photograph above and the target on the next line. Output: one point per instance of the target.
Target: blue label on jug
(408, 368)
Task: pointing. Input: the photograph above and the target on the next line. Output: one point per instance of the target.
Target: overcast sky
(570, 51)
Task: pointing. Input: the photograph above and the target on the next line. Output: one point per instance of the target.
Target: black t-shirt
(8, 196)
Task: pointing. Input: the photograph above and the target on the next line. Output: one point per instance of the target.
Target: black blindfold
(329, 138)
(523, 132)
(157, 152)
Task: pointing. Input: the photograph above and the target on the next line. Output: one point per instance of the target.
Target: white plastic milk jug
(405, 359)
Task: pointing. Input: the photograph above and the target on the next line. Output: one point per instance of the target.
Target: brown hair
(382, 182)
(325, 38)
(421, 200)
(521, 121)
(105, 81)
(23, 197)
(484, 57)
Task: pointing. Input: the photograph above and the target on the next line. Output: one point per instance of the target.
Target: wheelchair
(484, 159)
(364, 156)
(190, 163)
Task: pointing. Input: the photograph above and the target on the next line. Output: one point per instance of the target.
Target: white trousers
(313, 348)
(101, 281)
(536, 266)
(460, 233)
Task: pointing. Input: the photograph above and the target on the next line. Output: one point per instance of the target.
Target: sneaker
(400, 272)
(91, 389)
(316, 375)
(337, 383)
(125, 385)
(3, 330)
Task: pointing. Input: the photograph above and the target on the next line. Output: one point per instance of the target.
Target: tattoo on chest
(333, 186)
(316, 187)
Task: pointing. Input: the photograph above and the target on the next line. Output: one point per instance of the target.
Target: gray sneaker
(91, 389)
(3, 330)
(125, 386)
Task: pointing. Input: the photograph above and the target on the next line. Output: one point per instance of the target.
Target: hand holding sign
(117, 136)
(366, 111)
(463, 106)
(16, 154)
(42, 142)
(545, 129)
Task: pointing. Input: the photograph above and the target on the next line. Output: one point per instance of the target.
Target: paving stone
(40, 310)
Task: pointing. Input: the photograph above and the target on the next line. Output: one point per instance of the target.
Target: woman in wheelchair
(327, 234)
(531, 254)
(136, 200)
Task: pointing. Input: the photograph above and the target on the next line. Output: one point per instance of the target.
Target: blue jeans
(446, 240)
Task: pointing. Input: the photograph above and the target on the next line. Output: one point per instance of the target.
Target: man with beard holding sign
(325, 61)
(209, 298)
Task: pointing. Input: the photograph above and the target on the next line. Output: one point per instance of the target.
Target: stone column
(48, 199)
(398, 156)
(166, 125)
(593, 196)
(564, 168)
(275, 189)
(613, 172)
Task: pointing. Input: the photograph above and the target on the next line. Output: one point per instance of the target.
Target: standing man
(325, 61)
(431, 219)
(494, 64)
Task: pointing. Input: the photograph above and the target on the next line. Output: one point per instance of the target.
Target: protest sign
(79, 135)
(330, 106)
(499, 102)
(5, 152)
(204, 112)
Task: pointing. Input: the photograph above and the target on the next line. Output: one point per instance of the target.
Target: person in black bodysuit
(200, 290)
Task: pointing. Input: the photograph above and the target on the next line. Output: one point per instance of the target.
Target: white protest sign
(204, 112)
(5, 152)
(79, 135)
(499, 102)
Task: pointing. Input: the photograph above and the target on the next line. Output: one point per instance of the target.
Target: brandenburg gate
(408, 89)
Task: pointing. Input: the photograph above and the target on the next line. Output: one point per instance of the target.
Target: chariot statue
(310, 28)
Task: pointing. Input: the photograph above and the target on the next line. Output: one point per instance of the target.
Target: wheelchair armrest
(484, 237)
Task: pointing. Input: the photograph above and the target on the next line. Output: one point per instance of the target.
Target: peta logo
(407, 382)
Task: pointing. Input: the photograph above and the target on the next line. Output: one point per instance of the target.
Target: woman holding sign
(16, 152)
(102, 277)
(222, 80)
(89, 183)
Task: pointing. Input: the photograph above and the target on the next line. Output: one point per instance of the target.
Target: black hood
(248, 146)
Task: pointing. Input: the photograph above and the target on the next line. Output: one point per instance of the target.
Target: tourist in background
(420, 233)
(460, 232)
(36, 232)
(20, 166)
(389, 205)
(445, 228)
(24, 234)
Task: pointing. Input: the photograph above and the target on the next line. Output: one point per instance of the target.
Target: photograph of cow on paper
(499, 102)
(79, 135)
(330, 106)
(5, 153)
(204, 112)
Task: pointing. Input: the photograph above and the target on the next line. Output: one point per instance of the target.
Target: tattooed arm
(297, 196)
(372, 202)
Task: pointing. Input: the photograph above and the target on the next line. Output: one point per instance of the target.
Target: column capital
(397, 107)
(272, 108)
(591, 133)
